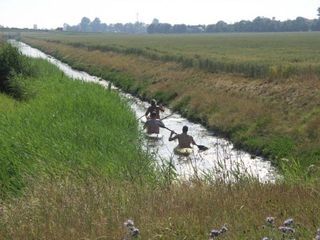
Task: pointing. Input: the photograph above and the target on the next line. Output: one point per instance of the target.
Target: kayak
(183, 151)
(154, 136)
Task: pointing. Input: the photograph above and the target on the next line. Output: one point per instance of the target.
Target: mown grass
(277, 119)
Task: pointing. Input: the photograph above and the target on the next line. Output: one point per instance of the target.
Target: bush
(13, 64)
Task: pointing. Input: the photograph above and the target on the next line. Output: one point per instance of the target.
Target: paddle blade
(202, 148)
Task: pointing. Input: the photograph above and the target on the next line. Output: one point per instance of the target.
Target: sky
(54, 13)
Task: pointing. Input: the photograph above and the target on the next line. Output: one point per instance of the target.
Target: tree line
(259, 24)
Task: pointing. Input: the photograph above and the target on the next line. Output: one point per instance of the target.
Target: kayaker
(154, 108)
(153, 124)
(184, 139)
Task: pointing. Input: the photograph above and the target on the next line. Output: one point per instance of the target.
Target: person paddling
(153, 124)
(184, 139)
(154, 108)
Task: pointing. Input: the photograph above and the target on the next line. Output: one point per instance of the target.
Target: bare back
(185, 140)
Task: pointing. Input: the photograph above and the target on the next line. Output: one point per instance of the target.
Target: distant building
(35, 26)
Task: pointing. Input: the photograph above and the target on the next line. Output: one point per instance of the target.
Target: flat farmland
(252, 54)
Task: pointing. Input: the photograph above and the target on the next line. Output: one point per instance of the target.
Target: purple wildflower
(285, 229)
(129, 223)
(134, 232)
(223, 229)
(270, 220)
(288, 222)
(214, 233)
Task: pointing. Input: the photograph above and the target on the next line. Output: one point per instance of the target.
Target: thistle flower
(214, 233)
(317, 237)
(270, 220)
(288, 222)
(129, 223)
(318, 231)
(223, 229)
(285, 229)
(265, 238)
(134, 232)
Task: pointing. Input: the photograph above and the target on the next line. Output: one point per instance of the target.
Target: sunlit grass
(95, 208)
(67, 126)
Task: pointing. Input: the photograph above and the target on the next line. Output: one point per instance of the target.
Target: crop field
(256, 55)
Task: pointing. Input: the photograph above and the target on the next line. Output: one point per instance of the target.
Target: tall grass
(93, 208)
(68, 126)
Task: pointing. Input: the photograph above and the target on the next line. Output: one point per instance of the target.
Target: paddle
(167, 116)
(200, 147)
(141, 117)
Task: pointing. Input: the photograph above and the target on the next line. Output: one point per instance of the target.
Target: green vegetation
(275, 116)
(71, 168)
(66, 126)
(272, 55)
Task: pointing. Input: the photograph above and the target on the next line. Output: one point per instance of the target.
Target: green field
(254, 54)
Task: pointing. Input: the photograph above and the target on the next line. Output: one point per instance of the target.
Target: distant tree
(242, 26)
(155, 21)
(96, 25)
(179, 28)
(221, 26)
(302, 24)
(118, 28)
(66, 27)
(210, 28)
(85, 24)
(315, 26)
(196, 28)
(319, 12)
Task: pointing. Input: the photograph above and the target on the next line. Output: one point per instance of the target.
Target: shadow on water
(220, 162)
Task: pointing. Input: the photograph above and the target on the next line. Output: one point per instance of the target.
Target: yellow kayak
(183, 151)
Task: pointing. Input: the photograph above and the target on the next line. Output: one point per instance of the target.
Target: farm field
(254, 54)
(266, 99)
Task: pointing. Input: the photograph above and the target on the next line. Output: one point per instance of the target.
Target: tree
(319, 12)
(155, 21)
(179, 28)
(221, 26)
(96, 25)
(84, 24)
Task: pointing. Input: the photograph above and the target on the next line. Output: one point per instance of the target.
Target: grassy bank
(277, 117)
(92, 208)
(66, 126)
